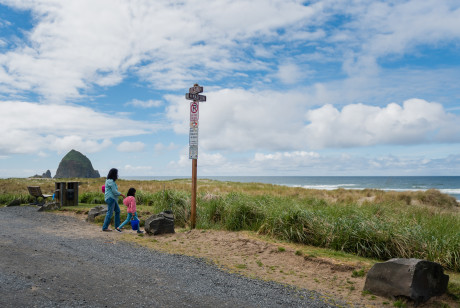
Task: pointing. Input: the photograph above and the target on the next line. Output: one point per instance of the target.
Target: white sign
(194, 111)
(193, 137)
(193, 152)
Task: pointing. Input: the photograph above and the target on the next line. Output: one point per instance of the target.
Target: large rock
(76, 165)
(160, 224)
(49, 206)
(46, 175)
(416, 279)
(96, 211)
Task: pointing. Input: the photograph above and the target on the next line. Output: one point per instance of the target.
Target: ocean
(446, 184)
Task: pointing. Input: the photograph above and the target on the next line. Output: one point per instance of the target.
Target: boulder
(76, 165)
(49, 206)
(160, 224)
(96, 211)
(416, 279)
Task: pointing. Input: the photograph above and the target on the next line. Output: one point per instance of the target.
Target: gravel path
(47, 260)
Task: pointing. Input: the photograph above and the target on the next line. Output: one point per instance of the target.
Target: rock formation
(46, 175)
(76, 165)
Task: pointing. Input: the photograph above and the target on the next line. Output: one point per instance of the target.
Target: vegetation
(369, 223)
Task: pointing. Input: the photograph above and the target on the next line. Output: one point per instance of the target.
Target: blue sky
(330, 87)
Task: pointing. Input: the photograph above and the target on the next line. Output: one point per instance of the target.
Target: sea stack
(76, 165)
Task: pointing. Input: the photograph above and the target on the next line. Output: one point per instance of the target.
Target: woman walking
(111, 198)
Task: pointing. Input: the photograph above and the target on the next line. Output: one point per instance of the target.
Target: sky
(305, 88)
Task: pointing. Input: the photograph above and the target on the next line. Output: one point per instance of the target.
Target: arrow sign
(195, 97)
(196, 89)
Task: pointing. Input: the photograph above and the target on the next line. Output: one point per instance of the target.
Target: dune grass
(369, 223)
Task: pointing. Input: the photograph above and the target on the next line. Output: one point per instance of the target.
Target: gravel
(46, 262)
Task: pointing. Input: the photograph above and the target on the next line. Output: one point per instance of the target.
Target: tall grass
(369, 223)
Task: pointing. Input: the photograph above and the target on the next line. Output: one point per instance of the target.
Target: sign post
(193, 142)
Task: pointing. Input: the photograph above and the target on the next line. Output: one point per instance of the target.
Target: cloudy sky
(326, 87)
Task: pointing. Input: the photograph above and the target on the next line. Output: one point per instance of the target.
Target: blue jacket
(111, 190)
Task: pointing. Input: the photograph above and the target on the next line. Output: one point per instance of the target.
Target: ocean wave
(327, 187)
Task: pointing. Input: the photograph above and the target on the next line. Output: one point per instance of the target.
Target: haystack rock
(76, 165)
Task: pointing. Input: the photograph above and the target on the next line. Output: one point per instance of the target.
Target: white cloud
(415, 122)
(138, 170)
(144, 104)
(160, 147)
(289, 73)
(31, 127)
(127, 146)
(75, 45)
(239, 120)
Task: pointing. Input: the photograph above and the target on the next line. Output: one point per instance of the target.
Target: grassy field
(368, 223)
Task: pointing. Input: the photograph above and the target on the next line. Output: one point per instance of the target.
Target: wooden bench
(36, 192)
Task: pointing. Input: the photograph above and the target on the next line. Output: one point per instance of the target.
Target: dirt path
(49, 260)
(235, 252)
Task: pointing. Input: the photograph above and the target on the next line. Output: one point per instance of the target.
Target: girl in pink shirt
(130, 202)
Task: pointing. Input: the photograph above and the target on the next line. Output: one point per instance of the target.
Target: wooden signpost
(193, 142)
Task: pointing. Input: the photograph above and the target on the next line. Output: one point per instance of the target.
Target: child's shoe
(118, 229)
(139, 231)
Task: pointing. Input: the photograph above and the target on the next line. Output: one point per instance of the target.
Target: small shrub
(298, 253)
(400, 303)
(360, 273)
(281, 249)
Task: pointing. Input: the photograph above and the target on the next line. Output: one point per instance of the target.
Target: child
(130, 202)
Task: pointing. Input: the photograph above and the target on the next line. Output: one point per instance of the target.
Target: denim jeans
(130, 215)
(112, 205)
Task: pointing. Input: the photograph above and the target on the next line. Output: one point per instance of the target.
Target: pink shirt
(130, 202)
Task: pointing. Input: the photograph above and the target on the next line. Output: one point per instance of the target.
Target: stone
(415, 279)
(76, 165)
(160, 224)
(96, 211)
(49, 206)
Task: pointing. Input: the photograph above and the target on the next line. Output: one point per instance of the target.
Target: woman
(111, 198)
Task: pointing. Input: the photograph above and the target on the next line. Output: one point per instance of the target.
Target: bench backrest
(35, 191)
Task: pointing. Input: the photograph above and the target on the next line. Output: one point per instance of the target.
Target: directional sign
(195, 97)
(194, 111)
(196, 89)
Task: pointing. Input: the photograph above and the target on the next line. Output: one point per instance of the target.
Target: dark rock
(49, 206)
(15, 202)
(76, 165)
(96, 211)
(46, 175)
(416, 279)
(160, 224)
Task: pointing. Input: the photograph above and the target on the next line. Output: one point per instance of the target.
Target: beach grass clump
(234, 212)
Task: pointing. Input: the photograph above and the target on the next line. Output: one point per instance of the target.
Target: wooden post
(193, 142)
(194, 181)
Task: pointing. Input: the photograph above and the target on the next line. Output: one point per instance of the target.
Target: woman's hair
(113, 174)
(131, 192)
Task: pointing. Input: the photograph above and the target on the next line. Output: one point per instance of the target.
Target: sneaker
(139, 231)
(118, 229)
(106, 230)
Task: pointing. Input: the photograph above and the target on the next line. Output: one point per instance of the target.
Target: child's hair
(131, 192)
